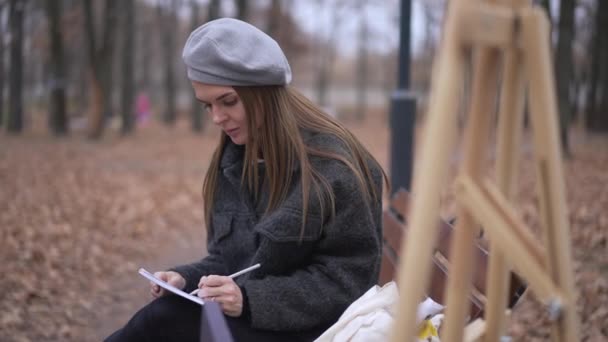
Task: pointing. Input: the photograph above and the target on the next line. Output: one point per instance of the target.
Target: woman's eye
(231, 102)
(207, 107)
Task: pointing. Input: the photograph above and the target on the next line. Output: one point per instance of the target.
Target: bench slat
(387, 267)
(395, 232)
(438, 282)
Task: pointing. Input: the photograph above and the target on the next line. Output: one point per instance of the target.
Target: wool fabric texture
(232, 52)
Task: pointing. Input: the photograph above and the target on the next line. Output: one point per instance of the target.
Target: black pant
(172, 318)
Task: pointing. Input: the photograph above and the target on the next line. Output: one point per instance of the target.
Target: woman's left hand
(223, 290)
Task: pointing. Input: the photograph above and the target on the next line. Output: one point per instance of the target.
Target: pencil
(234, 275)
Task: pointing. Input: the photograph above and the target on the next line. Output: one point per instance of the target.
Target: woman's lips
(232, 132)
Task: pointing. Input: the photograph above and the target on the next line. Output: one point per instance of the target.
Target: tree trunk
(273, 20)
(214, 10)
(100, 59)
(242, 9)
(96, 120)
(78, 60)
(362, 66)
(602, 112)
(127, 95)
(322, 85)
(597, 101)
(563, 69)
(2, 34)
(15, 94)
(594, 67)
(167, 17)
(328, 52)
(143, 33)
(111, 21)
(196, 113)
(58, 120)
(96, 101)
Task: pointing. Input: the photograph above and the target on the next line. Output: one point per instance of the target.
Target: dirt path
(77, 219)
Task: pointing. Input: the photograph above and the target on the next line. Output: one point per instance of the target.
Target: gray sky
(382, 17)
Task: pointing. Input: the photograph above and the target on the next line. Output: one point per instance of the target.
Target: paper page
(170, 287)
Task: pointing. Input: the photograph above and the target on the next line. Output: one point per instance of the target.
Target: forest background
(103, 148)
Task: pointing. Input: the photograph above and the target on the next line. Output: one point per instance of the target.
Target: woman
(288, 187)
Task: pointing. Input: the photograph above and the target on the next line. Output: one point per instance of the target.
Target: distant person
(287, 187)
(142, 108)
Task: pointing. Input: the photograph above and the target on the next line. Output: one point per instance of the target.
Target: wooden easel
(517, 34)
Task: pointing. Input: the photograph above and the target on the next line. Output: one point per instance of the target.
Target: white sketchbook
(170, 287)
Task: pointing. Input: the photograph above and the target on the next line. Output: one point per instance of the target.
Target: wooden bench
(394, 233)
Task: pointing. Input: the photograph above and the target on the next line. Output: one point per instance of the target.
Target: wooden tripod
(517, 34)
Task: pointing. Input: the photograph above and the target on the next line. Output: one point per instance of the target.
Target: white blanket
(370, 317)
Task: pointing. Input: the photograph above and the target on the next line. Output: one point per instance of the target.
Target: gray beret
(234, 53)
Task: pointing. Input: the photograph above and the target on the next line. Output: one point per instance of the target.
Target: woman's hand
(224, 291)
(171, 277)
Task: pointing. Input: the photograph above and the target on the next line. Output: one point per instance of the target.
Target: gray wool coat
(302, 285)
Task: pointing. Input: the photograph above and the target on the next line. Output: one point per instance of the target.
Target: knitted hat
(231, 52)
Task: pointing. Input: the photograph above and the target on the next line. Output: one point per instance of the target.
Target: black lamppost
(403, 110)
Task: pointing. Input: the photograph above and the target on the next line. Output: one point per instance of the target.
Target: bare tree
(597, 101)
(581, 47)
(15, 94)
(167, 14)
(601, 119)
(273, 22)
(144, 22)
(362, 78)
(195, 109)
(100, 64)
(75, 57)
(242, 9)
(281, 25)
(595, 65)
(58, 121)
(327, 49)
(2, 34)
(432, 12)
(564, 69)
(213, 10)
(128, 83)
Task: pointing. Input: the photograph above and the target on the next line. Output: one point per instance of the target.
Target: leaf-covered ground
(78, 218)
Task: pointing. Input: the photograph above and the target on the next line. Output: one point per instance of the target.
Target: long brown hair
(279, 113)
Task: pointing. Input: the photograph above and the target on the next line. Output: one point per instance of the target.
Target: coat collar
(231, 164)
(232, 154)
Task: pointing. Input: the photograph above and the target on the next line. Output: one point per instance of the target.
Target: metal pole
(403, 110)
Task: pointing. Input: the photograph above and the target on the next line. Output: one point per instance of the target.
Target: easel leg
(553, 209)
(429, 178)
(485, 79)
(510, 117)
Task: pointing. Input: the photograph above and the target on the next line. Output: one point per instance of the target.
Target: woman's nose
(217, 116)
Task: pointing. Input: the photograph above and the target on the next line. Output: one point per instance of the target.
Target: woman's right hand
(170, 277)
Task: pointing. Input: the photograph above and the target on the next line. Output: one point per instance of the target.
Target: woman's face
(226, 109)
